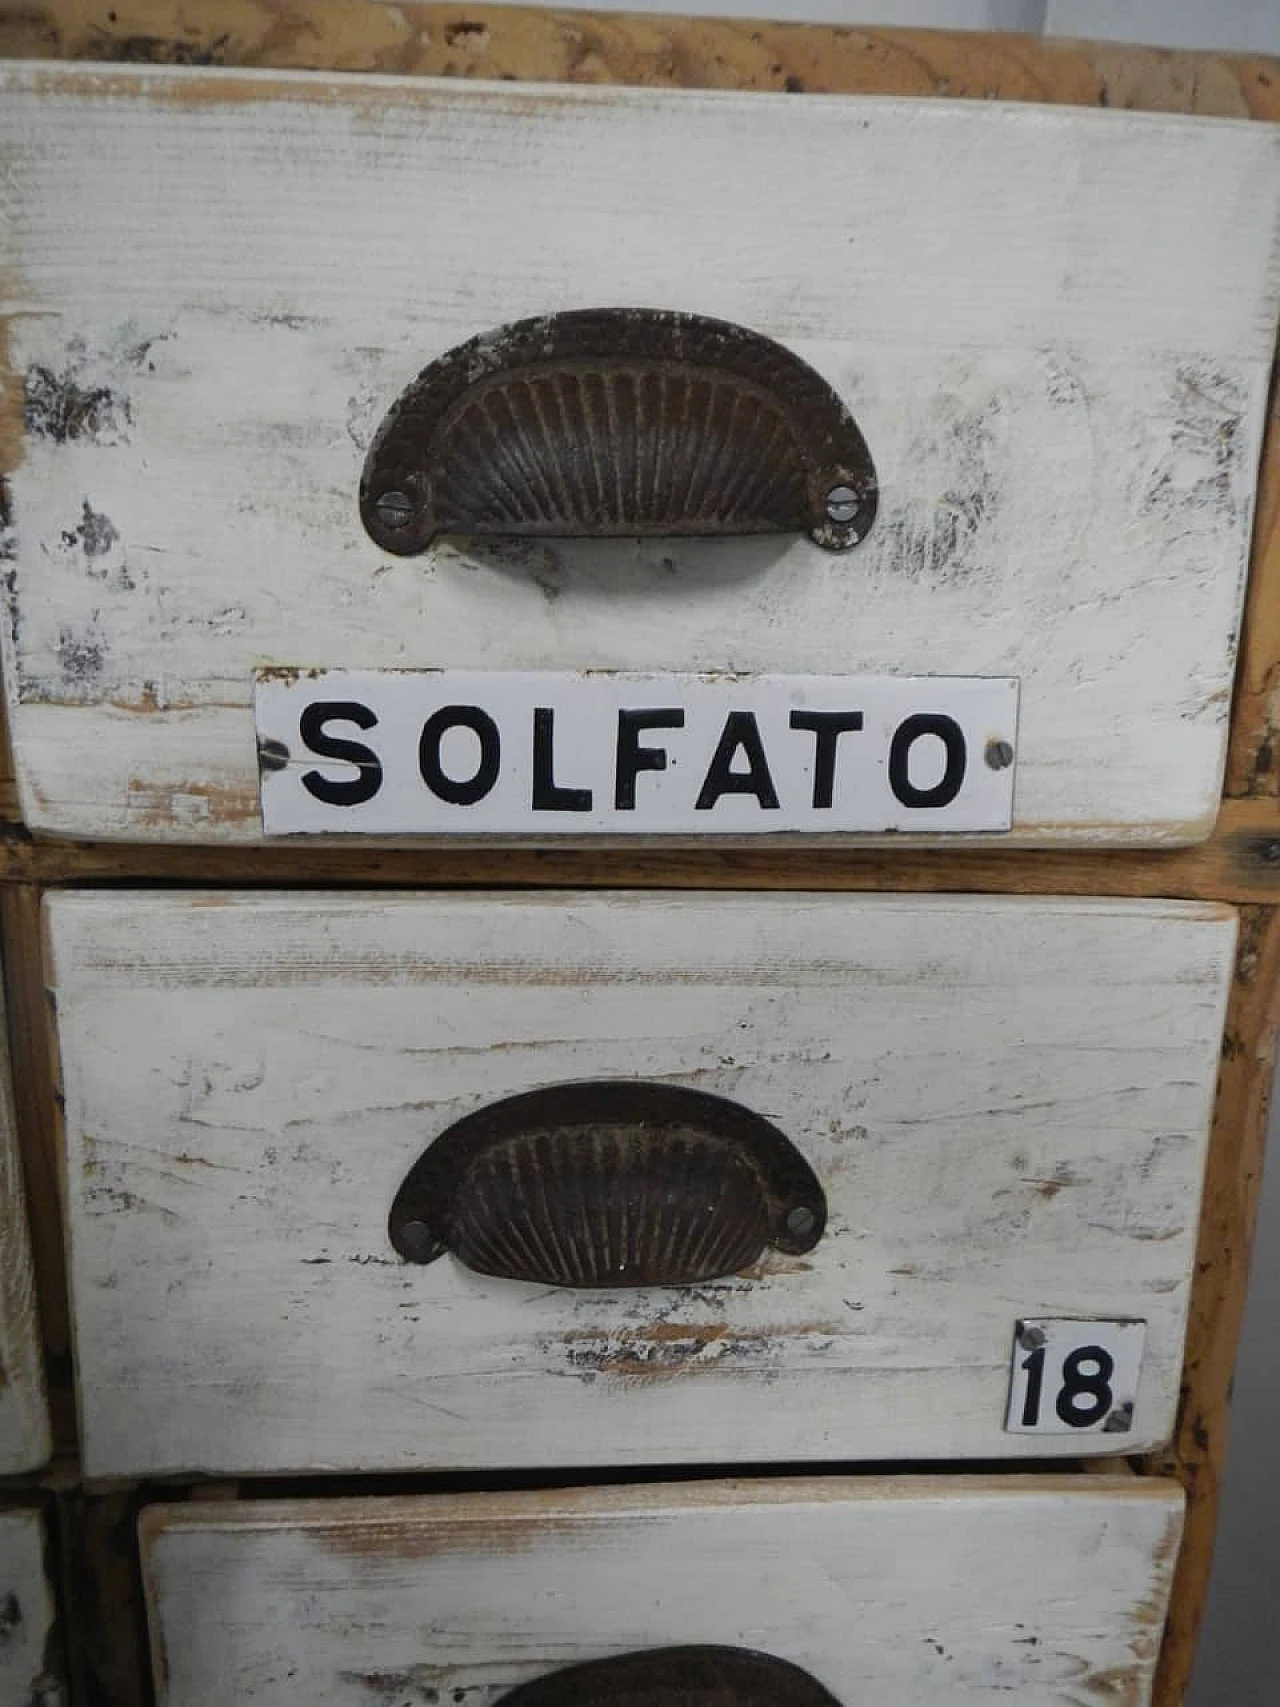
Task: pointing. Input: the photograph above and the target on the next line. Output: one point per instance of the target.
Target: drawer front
(1004, 1106)
(226, 283)
(886, 1593)
(27, 1612)
(24, 1420)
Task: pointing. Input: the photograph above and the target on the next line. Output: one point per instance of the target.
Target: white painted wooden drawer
(27, 1612)
(1005, 1103)
(1054, 328)
(24, 1419)
(928, 1592)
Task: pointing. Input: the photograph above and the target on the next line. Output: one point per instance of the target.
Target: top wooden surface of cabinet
(1057, 350)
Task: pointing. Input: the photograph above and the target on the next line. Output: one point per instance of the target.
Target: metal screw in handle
(842, 504)
(417, 1241)
(801, 1221)
(395, 509)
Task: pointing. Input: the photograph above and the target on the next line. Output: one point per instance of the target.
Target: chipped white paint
(27, 1609)
(24, 1420)
(1006, 1101)
(1054, 327)
(930, 1592)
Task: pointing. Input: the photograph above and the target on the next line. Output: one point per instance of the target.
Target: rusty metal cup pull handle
(608, 1183)
(675, 1677)
(617, 422)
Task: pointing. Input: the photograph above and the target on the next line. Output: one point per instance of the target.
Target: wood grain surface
(1220, 1292)
(658, 51)
(1241, 862)
(1064, 400)
(890, 1592)
(1006, 1101)
(24, 1420)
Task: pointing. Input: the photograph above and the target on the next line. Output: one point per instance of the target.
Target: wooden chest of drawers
(323, 1342)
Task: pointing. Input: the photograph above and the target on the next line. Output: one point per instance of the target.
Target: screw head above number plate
(1074, 1376)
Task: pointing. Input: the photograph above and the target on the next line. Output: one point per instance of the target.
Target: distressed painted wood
(928, 1592)
(24, 1420)
(27, 1611)
(1063, 396)
(1006, 1103)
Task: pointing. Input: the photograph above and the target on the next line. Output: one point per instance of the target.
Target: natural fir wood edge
(1220, 1282)
(487, 41)
(1240, 864)
(1253, 755)
(37, 1116)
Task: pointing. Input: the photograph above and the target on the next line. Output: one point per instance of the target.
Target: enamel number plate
(457, 752)
(1074, 1377)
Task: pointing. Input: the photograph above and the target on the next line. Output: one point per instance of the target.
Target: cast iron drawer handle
(608, 1183)
(676, 1677)
(617, 421)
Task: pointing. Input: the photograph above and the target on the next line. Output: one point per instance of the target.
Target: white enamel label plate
(378, 752)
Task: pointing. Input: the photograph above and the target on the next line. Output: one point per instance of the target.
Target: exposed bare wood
(1240, 863)
(671, 52)
(36, 1114)
(1222, 1276)
(24, 1418)
(1253, 756)
(103, 1607)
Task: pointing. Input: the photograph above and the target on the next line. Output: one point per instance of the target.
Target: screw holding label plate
(1120, 1421)
(395, 509)
(272, 755)
(999, 755)
(1032, 1338)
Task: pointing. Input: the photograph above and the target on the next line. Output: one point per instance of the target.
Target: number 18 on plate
(1074, 1377)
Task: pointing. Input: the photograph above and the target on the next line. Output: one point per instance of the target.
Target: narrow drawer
(227, 282)
(29, 1669)
(279, 1107)
(24, 1418)
(884, 1593)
